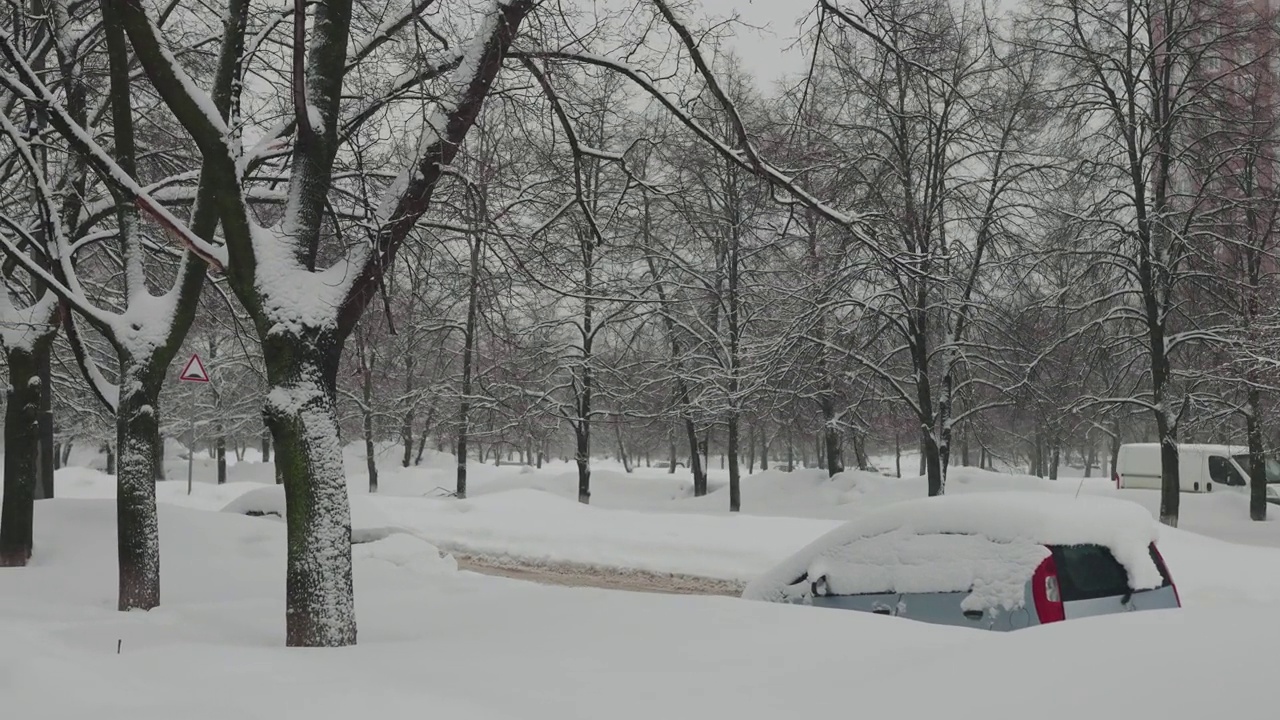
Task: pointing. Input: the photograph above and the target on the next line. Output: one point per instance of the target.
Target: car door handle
(974, 615)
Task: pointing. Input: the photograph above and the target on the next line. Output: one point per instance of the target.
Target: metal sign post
(193, 372)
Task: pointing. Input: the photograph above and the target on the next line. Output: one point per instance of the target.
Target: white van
(1201, 468)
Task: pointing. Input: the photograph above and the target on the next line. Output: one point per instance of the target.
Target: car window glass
(1086, 572)
(1222, 471)
(1272, 466)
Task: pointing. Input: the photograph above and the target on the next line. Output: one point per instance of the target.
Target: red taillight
(1164, 570)
(1046, 592)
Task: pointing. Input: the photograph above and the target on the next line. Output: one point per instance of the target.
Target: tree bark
(764, 448)
(137, 524)
(735, 473)
(44, 482)
(695, 459)
(422, 446)
(897, 453)
(933, 467)
(220, 452)
(366, 412)
(582, 456)
(302, 414)
(468, 348)
(21, 457)
(1257, 460)
(266, 444)
(835, 464)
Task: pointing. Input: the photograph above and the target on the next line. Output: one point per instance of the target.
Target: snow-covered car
(996, 561)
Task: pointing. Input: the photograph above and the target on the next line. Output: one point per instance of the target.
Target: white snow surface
(483, 648)
(993, 573)
(988, 543)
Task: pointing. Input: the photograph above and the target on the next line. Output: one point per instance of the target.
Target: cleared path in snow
(575, 575)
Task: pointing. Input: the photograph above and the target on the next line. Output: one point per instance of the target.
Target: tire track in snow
(568, 574)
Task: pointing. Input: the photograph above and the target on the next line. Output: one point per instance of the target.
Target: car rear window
(1086, 572)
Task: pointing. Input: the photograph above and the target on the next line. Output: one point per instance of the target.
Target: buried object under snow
(997, 561)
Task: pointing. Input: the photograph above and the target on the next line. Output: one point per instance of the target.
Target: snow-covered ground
(437, 640)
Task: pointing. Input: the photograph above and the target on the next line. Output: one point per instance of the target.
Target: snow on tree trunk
(831, 443)
(21, 462)
(1170, 490)
(933, 467)
(137, 527)
(301, 410)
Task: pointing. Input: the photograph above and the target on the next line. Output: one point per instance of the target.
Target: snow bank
(368, 523)
(485, 648)
(919, 546)
(535, 528)
(407, 552)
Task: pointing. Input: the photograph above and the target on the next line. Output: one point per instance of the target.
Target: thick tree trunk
(831, 441)
(695, 459)
(791, 454)
(820, 448)
(406, 438)
(582, 435)
(137, 525)
(1054, 458)
(671, 464)
(764, 448)
(1257, 461)
(157, 454)
(44, 481)
(422, 446)
(21, 458)
(301, 412)
(111, 458)
(751, 450)
(934, 468)
(57, 455)
(266, 445)
(735, 473)
(220, 452)
(66, 454)
(460, 476)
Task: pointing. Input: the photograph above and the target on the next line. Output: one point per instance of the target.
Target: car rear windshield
(1086, 572)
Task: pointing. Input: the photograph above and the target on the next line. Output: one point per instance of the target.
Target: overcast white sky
(765, 51)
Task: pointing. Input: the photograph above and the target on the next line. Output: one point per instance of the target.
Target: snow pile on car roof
(988, 544)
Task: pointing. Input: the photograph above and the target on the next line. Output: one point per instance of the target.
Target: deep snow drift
(437, 641)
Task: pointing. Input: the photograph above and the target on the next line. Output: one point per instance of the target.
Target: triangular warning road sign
(194, 371)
